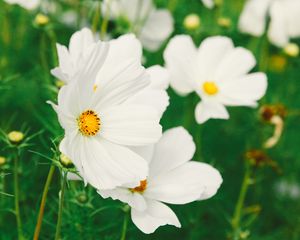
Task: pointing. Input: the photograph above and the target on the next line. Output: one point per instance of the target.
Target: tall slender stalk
(60, 207)
(236, 220)
(125, 223)
(43, 203)
(96, 17)
(16, 193)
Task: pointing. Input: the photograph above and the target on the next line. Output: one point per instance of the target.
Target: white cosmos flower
(125, 47)
(173, 178)
(152, 26)
(98, 121)
(217, 72)
(208, 3)
(28, 4)
(284, 19)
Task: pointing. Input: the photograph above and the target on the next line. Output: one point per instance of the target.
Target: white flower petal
(59, 74)
(129, 78)
(244, 91)
(66, 120)
(131, 125)
(208, 109)
(122, 50)
(292, 9)
(157, 28)
(180, 57)
(66, 68)
(157, 99)
(175, 147)
(208, 3)
(156, 215)
(187, 183)
(77, 96)
(145, 152)
(79, 43)
(28, 4)
(236, 63)
(159, 77)
(155, 94)
(210, 54)
(134, 200)
(254, 16)
(106, 165)
(278, 31)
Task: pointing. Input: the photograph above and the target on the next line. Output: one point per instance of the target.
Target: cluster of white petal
(108, 79)
(284, 19)
(28, 4)
(152, 26)
(121, 146)
(217, 72)
(173, 178)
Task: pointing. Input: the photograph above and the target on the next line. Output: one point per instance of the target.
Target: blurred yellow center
(141, 188)
(210, 88)
(89, 123)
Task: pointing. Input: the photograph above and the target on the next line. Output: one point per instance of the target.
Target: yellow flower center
(141, 188)
(89, 123)
(210, 88)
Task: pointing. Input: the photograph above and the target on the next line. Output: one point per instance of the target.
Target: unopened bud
(59, 83)
(66, 161)
(192, 22)
(277, 63)
(2, 160)
(15, 136)
(41, 19)
(224, 22)
(291, 49)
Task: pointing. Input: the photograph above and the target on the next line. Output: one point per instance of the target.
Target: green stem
(16, 193)
(240, 204)
(96, 17)
(125, 223)
(60, 208)
(52, 36)
(104, 24)
(43, 203)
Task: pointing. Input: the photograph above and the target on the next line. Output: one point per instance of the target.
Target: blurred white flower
(173, 178)
(208, 3)
(99, 124)
(284, 23)
(152, 26)
(70, 60)
(28, 4)
(217, 72)
(290, 189)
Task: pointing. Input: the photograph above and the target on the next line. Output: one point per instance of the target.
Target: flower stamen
(210, 88)
(141, 188)
(89, 123)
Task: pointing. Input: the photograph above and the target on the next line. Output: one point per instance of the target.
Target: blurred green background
(27, 55)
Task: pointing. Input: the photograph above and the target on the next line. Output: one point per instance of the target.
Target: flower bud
(66, 161)
(15, 136)
(41, 19)
(192, 22)
(59, 83)
(277, 63)
(224, 22)
(2, 160)
(291, 50)
(82, 198)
